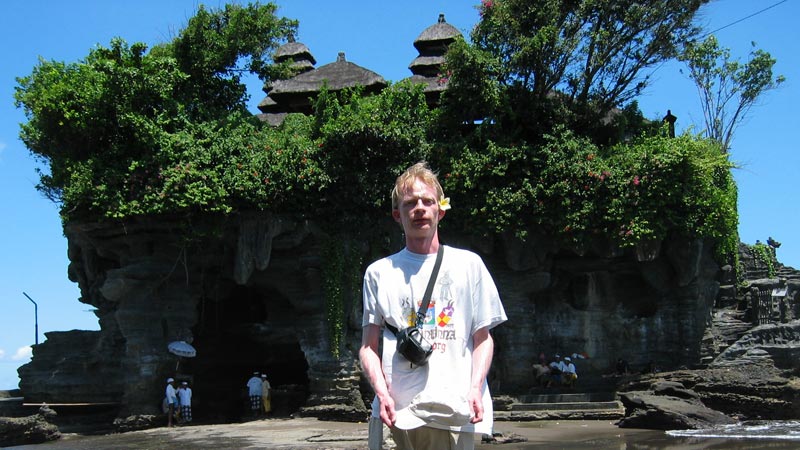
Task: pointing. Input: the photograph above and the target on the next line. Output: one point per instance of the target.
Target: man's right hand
(371, 364)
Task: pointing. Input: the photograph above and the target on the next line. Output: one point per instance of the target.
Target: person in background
(556, 367)
(172, 400)
(541, 374)
(185, 400)
(569, 373)
(266, 394)
(254, 391)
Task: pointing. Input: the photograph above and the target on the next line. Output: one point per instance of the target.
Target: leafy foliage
(587, 55)
(727, 88)
(764, 255)
(126, 132)
(577, 191)
(217, 46)
(130, 132)
(367, 141)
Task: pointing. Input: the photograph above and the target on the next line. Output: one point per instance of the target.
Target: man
(442, 404)
(266, 394)
(185, 399)
(172, 400)
(254, 391)
(556, 367)
(570, 373)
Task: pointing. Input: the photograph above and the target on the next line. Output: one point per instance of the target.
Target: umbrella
(182, 348)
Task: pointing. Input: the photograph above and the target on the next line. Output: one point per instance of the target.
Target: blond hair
(419, 171)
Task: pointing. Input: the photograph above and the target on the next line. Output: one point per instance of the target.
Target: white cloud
(22, 353)
(2, 353)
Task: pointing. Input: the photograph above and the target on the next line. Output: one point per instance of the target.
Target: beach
(310, 433)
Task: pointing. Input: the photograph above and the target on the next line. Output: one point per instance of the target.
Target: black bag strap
(426, 299)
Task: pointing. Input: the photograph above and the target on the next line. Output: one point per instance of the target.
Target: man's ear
(396, 215)
(442, 213)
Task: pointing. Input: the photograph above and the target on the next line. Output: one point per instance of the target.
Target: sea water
(750, 435)
(752, 430)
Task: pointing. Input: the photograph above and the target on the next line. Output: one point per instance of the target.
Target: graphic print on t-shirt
(446, 298)
(436, 328)
(440, 326)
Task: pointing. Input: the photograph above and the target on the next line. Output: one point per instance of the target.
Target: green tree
(728, 88)
(126, 131)
(588, 54)
(217, 46)
(366, 142)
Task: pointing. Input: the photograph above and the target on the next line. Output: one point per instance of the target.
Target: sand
(309, 433)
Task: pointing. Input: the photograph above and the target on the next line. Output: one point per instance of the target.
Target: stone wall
(246, 291)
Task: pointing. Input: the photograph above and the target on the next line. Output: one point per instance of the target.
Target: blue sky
(375, 35)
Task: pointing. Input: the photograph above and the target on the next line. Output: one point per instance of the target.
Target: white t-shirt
(185, 396)
(464, 300)
(171, 394)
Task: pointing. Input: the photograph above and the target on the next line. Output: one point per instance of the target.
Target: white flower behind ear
(444, 203)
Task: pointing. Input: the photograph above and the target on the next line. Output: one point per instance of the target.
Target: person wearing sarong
(266, 394)
(254, 391)
(185, 400)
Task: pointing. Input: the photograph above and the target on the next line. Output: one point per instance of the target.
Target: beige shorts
(426, 438)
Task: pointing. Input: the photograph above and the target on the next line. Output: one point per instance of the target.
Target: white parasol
(182, 348)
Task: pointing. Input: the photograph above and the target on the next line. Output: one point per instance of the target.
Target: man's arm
(371, 363)
(482, 353)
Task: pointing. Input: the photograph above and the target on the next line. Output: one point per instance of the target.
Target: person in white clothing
(185, 400)
(556, 370)
(570, 374)
(442, 404)
(172, 400)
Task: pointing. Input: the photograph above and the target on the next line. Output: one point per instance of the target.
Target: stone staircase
(559, 405)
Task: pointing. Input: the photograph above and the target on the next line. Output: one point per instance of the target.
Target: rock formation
(670, 406)
(247, 293)
(752, 370)
(35, 429)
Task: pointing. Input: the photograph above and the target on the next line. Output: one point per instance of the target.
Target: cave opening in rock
(250, 329)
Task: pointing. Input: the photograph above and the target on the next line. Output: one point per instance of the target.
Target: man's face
(418, 211)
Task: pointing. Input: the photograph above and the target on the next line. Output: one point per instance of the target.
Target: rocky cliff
(247, 293)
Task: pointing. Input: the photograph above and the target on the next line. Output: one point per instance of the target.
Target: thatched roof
(432, 84)
(426, 65)
(294, 50)
(436, 35)
(266, 104)
(338, 75)
(273, 119)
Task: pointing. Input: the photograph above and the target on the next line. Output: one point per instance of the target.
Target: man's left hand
(475, 400)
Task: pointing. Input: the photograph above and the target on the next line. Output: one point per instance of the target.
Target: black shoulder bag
(410, 341)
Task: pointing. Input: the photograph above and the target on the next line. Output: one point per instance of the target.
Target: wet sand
(309, 433)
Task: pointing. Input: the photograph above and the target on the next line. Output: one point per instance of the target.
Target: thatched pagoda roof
(293, 50)
(338, 75)
(432, 84)
(426, 65)
(298, 53)
(432, 45)
(436, 35)
(273, 119)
